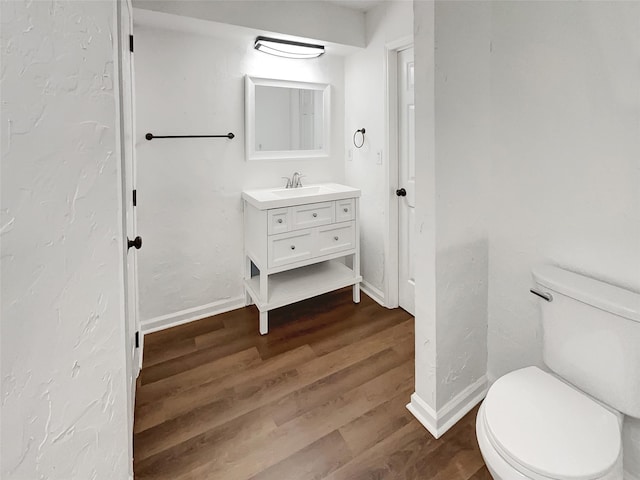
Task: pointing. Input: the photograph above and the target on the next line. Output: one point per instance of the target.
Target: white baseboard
(191, 314)
(372, 292)
(439, 422)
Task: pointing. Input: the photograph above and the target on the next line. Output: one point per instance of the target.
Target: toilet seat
(542, 426)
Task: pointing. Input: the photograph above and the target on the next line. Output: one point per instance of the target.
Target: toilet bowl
(534, 426)
(567, 424)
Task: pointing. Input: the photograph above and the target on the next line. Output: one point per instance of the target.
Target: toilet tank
(591, 336)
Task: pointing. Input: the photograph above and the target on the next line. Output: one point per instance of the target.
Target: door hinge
(131, 43)
(137, 339)
(135, 198)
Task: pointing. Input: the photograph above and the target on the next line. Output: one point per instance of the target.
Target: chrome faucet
(294, 181)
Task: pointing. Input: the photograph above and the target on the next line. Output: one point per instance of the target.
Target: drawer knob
(314, 215)
(279, 220)
(335, 238)
(345, 210)
(293, 247)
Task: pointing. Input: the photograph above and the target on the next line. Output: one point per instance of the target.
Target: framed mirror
(286, 120)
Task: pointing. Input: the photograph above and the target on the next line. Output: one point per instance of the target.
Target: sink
(267, 198)
(301, 191)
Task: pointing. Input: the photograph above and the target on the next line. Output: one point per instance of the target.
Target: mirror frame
(250, 120)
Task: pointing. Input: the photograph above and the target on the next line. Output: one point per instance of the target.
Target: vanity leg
(264, 298)
(264, 323)
(264, 288)
(356, 256)
(247, 276)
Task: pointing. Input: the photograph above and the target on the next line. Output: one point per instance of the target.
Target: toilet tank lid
(598, 294)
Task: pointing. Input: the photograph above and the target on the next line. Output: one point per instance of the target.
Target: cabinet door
(345, 210)
(278, 220)
(290, 248)
(312, 215)
(336, 238)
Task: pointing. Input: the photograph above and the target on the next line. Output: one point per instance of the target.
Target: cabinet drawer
(278, 220)
(336, 238)
(290, 247)
(312, 215)
(345, 210)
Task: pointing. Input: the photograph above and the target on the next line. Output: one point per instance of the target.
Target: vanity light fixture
(287, 48)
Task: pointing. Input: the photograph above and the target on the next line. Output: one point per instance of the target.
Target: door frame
(392, 264)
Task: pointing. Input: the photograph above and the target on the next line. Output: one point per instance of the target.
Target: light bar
(287, 48)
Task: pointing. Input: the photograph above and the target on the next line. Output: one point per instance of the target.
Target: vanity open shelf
(298, 284)
(300, 243)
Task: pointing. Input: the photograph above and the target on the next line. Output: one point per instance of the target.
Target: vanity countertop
(267, 198)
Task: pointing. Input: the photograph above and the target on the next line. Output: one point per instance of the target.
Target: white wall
(462, 135)
(452, 127)
(365, 91)
(63, 358)
(565, 186)
(324, 21)
(536, 160)
(425, 257)
(565, 154)
(190, 209)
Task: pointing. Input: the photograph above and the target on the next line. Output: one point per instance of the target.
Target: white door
(127, 151)
(129, 170)
(406, 191)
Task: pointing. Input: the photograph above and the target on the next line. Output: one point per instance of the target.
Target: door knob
(136, 242)
(401, 192)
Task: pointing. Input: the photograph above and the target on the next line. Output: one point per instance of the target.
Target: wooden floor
(321, 397)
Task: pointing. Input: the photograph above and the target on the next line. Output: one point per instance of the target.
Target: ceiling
(362, 5)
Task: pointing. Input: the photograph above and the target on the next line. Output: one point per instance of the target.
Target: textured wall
(462, 136)
(63, 381)
(537, 116)
(452, 127)
(549, 120)
(190, 209)
(425, 258)
(365, 91)
(565, 163)
(565, 157)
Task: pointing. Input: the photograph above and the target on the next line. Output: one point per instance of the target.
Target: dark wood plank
(311, 463)
(482, 474)
(333, 385)
(377, 424)
(183, 332)
(323, 396)
(161, 352)
(262, 452)
(213, 443)
(186, 362)
(225, 400)
(366, 322)
(202, 374)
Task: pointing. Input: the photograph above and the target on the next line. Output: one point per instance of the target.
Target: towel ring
(354, 138)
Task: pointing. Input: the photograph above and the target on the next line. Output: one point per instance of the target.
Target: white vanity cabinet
(303, 244)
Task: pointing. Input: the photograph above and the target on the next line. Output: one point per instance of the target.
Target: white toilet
(568, 424)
